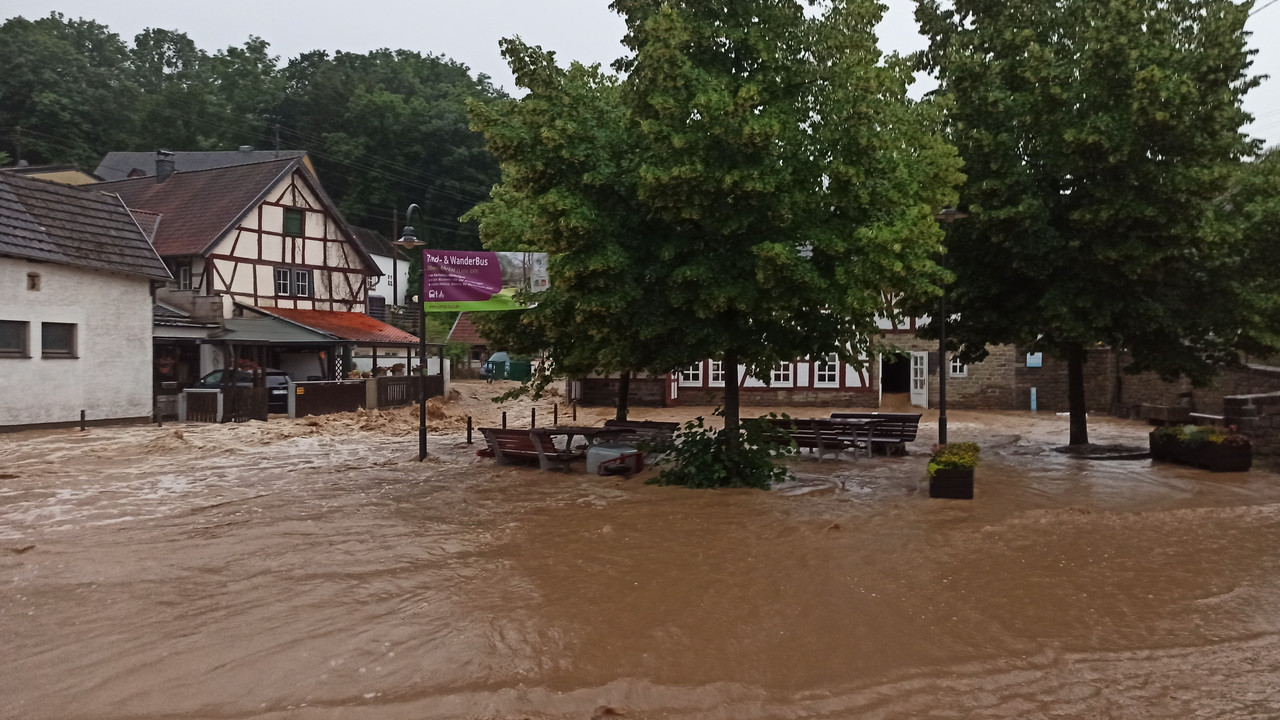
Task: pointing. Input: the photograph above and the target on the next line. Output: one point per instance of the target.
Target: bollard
(575, 412)
(555, 415)
(533, 418)
(81, 421)
(504, 419)
(159, 416)
(468, 429)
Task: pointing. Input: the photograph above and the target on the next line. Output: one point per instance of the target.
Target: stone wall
(1257, 416)
(988, 385)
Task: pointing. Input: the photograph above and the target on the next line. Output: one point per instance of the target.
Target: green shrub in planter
(951, 470)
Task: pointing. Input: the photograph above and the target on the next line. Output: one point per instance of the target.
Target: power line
(1264, 7)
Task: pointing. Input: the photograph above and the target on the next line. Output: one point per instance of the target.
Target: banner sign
(455, 280)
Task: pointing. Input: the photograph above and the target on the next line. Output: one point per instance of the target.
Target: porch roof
(348, 326)
(268, 330)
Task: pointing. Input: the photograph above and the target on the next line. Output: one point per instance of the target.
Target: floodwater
(312, 569)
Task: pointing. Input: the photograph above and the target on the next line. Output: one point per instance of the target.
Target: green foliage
(953, 456)
(1098, 137)
(749, 190)
(1200, 435)
(742, 456)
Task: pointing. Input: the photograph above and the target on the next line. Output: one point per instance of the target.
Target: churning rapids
(311, 569)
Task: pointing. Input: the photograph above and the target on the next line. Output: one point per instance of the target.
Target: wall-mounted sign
(455, 280)
(1035, 359)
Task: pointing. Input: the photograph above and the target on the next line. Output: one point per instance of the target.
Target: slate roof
(197, 208)
(466, 331)
(374, 242)
(73, 225)
(356, 327)
(122, 165)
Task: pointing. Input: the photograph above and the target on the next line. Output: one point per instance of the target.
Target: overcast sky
(469, 31)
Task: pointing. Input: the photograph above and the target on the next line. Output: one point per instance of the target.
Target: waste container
(519, 370)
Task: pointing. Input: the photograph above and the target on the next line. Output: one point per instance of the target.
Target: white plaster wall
(385, 285)
(110, 379)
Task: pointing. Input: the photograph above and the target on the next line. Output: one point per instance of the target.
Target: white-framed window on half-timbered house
(715, 373)
(958, 369)
(783, 374)
(295, 282)
(826, 371)
(691, 376)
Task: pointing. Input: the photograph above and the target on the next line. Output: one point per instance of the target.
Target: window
(692, 375)
(33, 281)
(184, 276)
(782, 374)
(302, 283)
(293, 281)
(827, 371)
(716, 374)
(57, 340)
(958, 369)
(294, 222)
(13, 339)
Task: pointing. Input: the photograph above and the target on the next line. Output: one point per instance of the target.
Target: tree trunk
(732, 407)
(1075, 395)
(624, 394)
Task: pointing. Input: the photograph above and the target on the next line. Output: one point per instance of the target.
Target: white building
(76, 274)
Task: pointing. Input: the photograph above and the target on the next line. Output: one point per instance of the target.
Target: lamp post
(948, 216)
(408, 240)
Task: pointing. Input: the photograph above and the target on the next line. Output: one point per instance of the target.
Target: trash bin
(519, 370)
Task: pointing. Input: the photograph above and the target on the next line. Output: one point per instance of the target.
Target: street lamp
(408, 240)
(948, 216)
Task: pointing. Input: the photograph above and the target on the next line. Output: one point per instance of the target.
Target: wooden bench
(892, 433)
(652, 432)
(818, 435)
(511, 445)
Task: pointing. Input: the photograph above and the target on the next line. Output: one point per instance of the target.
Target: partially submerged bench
(649, 432)
(818, 435)
(892, 433)
(513, 445)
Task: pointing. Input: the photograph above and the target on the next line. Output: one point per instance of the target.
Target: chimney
(164, 165)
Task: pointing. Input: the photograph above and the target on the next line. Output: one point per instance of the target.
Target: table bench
(821, 435)
(514, 445)
(892, 433)
(652, 432)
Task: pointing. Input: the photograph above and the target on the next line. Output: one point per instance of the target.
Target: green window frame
(294, 222)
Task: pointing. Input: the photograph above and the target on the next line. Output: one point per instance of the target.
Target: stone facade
(1257, 416)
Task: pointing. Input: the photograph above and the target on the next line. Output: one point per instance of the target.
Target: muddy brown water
(316, 571)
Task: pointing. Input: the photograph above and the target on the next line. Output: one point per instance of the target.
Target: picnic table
(553, 447)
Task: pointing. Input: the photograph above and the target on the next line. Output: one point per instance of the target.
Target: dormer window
(294, 222)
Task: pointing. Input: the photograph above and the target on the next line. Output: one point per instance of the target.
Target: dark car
(277, 386)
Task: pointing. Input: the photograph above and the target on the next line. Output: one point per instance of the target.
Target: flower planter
(1214, 457)
(952, 483)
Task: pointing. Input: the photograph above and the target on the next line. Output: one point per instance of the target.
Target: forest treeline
(384, 129)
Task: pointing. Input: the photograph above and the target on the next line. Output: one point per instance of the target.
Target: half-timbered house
(263, 236)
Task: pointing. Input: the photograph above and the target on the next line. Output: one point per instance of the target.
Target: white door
(920, 379)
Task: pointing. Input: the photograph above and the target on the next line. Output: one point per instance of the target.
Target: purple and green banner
(455, 280)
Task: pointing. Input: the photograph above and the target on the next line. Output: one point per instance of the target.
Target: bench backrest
(509, 439)
(643, 425)
(903, 426)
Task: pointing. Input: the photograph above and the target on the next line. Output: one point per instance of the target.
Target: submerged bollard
(468, 429)
(575, 412)
(533, 418)
(504, 419)
(555, 415)
(81, 421)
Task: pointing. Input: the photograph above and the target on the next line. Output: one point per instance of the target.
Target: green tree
(1098, 136)
(758, 179)
(65, 86)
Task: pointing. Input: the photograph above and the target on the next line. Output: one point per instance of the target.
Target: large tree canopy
(1098, 136)
(763, 182)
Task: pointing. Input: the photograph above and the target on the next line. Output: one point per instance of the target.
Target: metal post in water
(468, 429)
(81, 421)
(504, 419)
(575, 411)
(533, 418)
(555, 415)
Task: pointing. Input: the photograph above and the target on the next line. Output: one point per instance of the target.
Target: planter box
(1213, 457)
(952, 484)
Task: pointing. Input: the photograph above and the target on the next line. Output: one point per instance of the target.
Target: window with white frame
(293, 281)
(715, 374)
(826, 371)
(958, 369)
(782, 374)
(184, 276)
(692, 375)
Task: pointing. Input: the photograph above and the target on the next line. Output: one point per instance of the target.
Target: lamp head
(949, 215)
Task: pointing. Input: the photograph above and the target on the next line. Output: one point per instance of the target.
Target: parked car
(277, 386)
(496, 367)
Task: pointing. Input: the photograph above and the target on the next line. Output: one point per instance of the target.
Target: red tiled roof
(466, 331)
(357, 327)
(197, 207)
